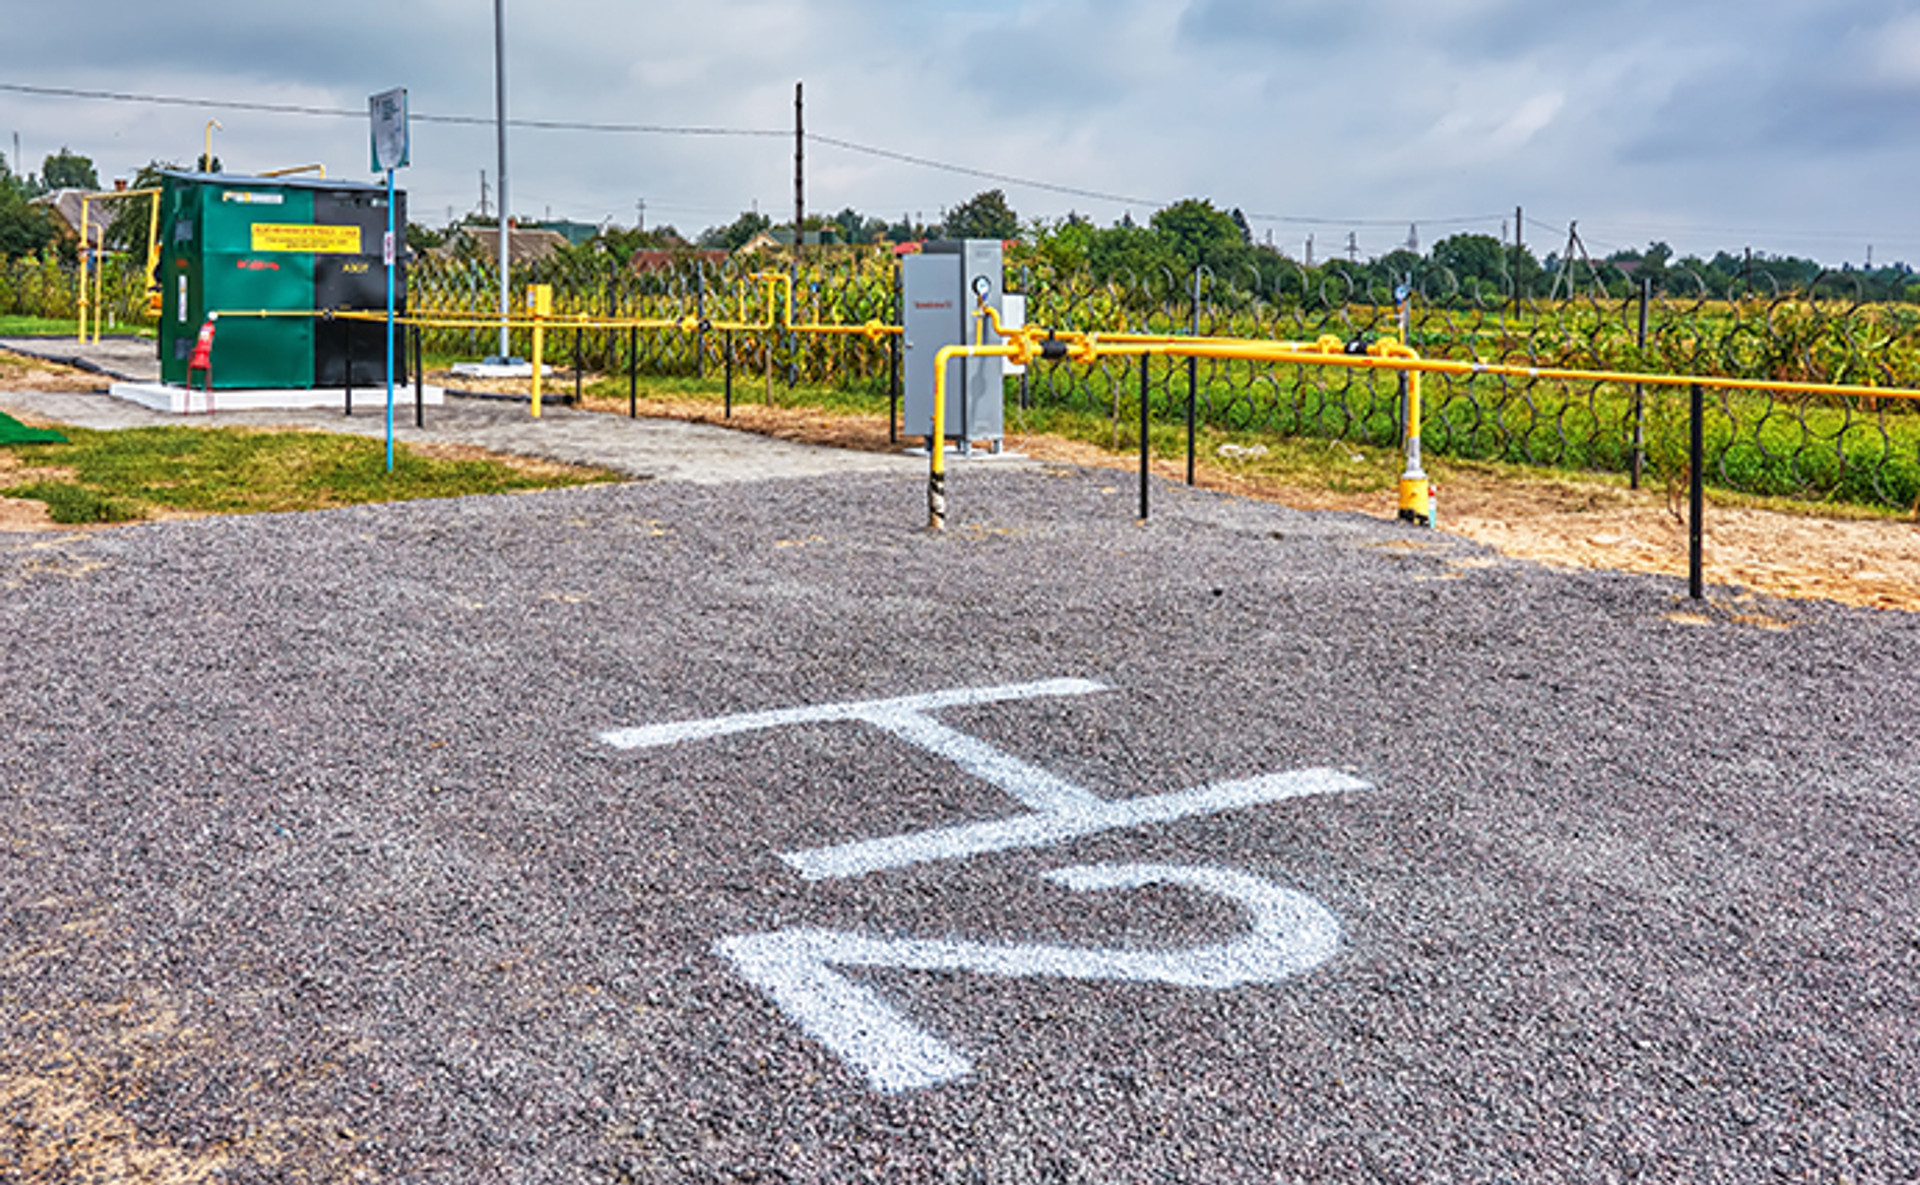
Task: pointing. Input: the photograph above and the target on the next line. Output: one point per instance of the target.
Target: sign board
(390, 140)
(319, 240)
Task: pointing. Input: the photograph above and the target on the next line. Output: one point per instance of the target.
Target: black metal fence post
(729, 348)
(1193, 379)
(1697, 496)
(700, 310)
(577, 366)
(633, 371)
(1144, 379)
(1639, 392)
(348, 327)
(419, 381)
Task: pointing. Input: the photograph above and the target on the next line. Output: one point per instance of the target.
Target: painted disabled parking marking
(1290, 934)
(1058, 809)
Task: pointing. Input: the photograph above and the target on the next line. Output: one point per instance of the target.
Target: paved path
(662, 450)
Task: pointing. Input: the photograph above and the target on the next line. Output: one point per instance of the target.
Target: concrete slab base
(181, 401)
(498, 370)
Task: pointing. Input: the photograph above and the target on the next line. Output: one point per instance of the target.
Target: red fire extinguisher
(202, 359)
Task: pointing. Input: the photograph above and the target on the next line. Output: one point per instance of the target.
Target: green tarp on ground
(12, 431)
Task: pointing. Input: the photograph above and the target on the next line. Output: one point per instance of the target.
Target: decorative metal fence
(1863, 450)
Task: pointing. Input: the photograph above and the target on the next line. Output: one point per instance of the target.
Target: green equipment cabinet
(250, 245)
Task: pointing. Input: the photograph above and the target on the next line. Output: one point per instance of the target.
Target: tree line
(1174, 241)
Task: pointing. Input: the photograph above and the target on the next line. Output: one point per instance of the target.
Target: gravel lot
(315, 865)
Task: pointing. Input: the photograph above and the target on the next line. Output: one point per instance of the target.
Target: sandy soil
(1873, 562)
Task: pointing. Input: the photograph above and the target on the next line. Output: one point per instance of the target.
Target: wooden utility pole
(799, 172)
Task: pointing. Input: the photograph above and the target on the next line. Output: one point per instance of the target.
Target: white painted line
(1046, 828)
(654, 736)
(1290, 934)
(1032, 787)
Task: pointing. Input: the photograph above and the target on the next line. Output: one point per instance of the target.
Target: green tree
(1473, 257)
(131, 218)
(983, 216)
(68, 170)
(737, 233)
(1131, 253)
(23, 228)
(1200, 235)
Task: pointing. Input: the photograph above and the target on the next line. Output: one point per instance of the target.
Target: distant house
(64, 205)
(526, 246)
(761, 242)
(576, 232)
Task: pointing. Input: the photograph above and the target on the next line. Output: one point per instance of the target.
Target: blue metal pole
(391, 250)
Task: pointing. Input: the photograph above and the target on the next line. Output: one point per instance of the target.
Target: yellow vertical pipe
(153, 255)
(81, 307)
(542, 306)
(937, 441)
(99, 288)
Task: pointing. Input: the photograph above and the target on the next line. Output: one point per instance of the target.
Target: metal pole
(578, 363)
(500, 126)
(1697, 498)
(799, 241)
(633, 371)
(1193, 379)
(1639, 392)
(893, 363)
(419, 381)
(1144, 360)
(348, 328)
(700, 310)
(729, 374)
(391, 250)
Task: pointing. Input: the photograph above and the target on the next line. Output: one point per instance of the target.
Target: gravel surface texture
(316, 866)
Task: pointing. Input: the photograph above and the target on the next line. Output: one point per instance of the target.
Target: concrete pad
(177, 400)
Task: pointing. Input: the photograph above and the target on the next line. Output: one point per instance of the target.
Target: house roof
(526, 246)
(65, 204)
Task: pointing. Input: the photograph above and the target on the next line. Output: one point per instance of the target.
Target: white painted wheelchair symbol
(1289, 933)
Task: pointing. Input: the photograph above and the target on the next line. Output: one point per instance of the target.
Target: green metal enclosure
(241, 246)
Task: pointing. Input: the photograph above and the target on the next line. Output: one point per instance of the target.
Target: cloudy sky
(1791, 126)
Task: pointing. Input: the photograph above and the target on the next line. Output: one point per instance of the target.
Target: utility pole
(1413, 237)
(500, 124)
(799, 172)
(1353, 247)
(1309, 250)
(640, 207)
(1519, 246)
(483, 195)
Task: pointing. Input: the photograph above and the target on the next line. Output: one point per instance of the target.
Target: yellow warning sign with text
(317, 240)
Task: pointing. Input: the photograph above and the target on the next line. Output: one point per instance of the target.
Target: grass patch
(130, 474)
(71, 504)
(12, 326)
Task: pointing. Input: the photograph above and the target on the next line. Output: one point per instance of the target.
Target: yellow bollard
(542, 301)
(1416, 491)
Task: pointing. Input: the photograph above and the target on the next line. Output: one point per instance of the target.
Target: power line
(551, 125)
(963, 170)
(557, 125)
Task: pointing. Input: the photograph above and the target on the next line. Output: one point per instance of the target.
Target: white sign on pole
(390, 139)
